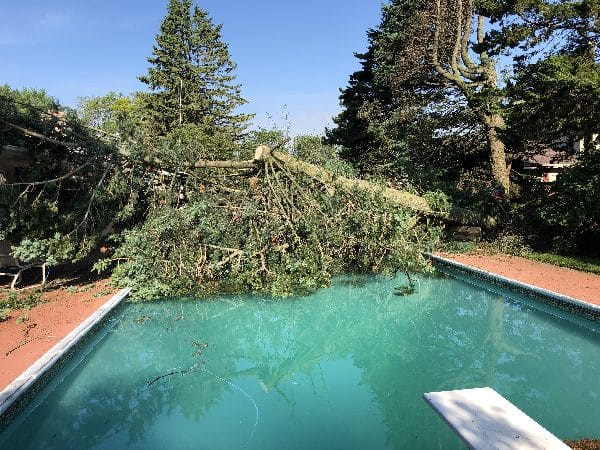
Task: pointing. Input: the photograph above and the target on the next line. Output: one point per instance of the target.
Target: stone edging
(560, 301)
(16, 395)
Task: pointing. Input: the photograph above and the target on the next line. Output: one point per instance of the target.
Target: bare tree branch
(54, 180)
(37, 135)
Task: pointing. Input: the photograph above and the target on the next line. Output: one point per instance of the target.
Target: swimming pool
(343, 368)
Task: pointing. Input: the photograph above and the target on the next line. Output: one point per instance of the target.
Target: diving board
(485, 420)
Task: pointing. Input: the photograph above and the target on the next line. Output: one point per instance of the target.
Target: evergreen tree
(395, 110)
(191, 76)
(358, 142)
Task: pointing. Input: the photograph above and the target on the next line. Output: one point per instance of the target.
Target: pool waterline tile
(563, 302)
(18, 393)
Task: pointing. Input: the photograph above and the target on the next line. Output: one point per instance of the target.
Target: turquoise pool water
(344, 368)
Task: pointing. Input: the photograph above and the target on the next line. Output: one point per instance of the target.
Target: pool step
(485, 420)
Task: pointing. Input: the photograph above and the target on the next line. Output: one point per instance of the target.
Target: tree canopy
(191, 76)
(429, 82)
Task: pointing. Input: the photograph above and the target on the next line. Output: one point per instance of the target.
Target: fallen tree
(273, 223)
(265, 154)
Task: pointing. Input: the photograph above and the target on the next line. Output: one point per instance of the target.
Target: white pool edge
(29, 379)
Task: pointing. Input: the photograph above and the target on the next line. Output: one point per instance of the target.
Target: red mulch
(579, 285)
(28, 334)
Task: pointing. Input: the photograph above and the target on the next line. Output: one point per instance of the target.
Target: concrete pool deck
(17, 393)
(572, 283)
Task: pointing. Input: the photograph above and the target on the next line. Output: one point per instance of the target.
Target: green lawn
(584, 264)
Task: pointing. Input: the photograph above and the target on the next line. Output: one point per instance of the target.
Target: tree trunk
(415, 202)
(500, 167)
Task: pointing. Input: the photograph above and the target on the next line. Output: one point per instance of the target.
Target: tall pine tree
(191, 75)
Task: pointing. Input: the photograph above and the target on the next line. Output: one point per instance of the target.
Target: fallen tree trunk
(412, 201)
(264, 154)
(415, 202)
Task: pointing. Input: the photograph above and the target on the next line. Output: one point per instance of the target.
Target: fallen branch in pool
(409, 289)
(151, 382)
(201, 346)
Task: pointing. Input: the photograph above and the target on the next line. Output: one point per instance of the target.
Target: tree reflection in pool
(343, 368)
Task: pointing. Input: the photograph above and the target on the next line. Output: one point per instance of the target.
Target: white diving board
(485, 420)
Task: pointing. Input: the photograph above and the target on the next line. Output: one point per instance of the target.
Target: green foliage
(451, 246)
(571, 26)
(15, 300)
(4, 314)
(572, 211)
(52, 250)
(115, 116)
(190, 76)
(552, 99)
(591, 265)
(314, 150)
(185, 145)
(57, 202)
(438, 201)
(288, 234)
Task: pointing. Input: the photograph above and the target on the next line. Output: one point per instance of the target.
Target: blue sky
(292, 56)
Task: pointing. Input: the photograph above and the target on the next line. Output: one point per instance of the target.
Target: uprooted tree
(273, 223)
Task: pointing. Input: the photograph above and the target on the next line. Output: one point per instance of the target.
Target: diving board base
(485, 420)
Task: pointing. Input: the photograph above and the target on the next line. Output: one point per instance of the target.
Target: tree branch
(467, 61)
(37, 135)
(54, 180)
(453, 77)
(89, 206)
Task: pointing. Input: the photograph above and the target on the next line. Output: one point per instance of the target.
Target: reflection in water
(344, 368)
(244, 393)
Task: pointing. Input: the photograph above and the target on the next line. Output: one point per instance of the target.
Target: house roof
(550, 158)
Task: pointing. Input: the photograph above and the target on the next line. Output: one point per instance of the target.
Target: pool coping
(555, 299)
(17, 394)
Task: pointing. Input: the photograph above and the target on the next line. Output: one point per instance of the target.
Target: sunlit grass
(585, 264)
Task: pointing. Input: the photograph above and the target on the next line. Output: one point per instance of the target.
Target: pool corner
(18, 393)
